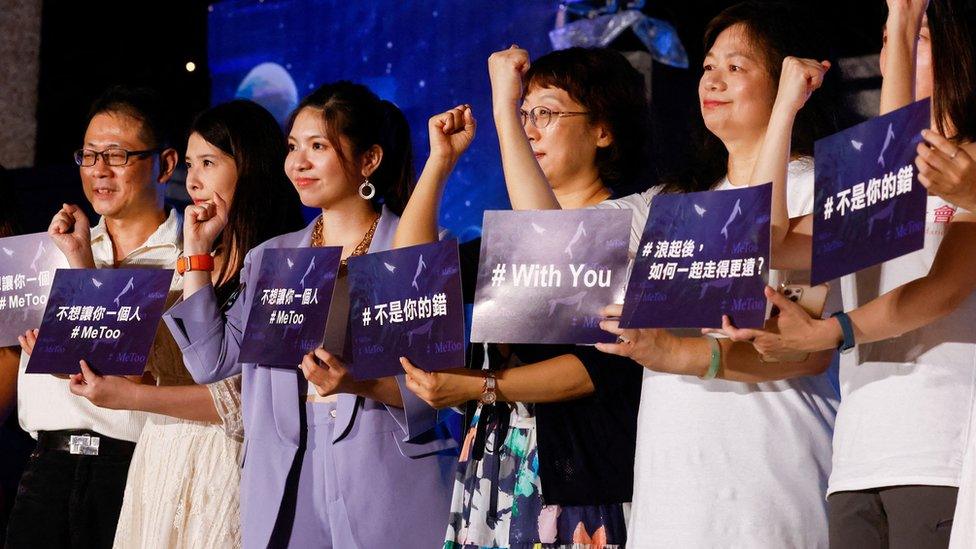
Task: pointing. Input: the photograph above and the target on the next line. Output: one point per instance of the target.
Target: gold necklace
(318, 238)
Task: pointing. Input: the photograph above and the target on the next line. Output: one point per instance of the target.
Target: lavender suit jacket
(211, 340)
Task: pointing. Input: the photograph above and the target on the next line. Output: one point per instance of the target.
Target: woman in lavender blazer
(328, 461)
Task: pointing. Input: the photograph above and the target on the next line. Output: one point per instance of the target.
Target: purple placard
(544, 276)
(869, 205)
(406, 302)
(108, 317)
(27, 265)
(702, 255)
(289, 304)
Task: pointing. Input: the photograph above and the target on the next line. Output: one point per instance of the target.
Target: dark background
(86, 46)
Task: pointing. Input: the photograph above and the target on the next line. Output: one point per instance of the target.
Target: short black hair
(614, 94)
(141, 103)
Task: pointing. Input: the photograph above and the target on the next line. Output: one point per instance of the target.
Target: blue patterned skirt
(498, 501)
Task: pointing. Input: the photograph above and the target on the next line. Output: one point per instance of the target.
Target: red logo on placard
(944, 214)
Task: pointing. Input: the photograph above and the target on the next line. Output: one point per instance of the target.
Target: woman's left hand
(112, 392)
(28, 340)
(790, 332)
(445, 388)
(451, 133)
(327, 373)
(947, 170)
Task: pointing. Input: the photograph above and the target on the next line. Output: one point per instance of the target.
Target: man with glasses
(71, 492)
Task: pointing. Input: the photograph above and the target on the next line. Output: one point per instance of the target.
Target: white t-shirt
(906, 401)
(44, 402)
(640, 206)
(730, 464)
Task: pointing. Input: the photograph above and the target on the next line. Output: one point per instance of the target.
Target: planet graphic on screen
(270, 86)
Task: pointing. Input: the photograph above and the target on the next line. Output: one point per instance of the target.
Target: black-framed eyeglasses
(112, 157)
(542, 116)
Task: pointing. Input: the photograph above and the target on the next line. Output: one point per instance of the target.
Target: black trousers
(67, 500)
(896, 517)
(15, 450)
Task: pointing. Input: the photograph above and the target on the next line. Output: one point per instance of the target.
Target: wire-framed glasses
(542, 116)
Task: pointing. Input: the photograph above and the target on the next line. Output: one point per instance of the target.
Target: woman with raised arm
(329, 461)
(183, 484)
(698, 438)
(708, 471)
(548, 455)
(909, 386)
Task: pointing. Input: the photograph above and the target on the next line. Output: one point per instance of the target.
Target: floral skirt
(498, 502)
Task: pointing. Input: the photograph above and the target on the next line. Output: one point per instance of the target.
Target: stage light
(191, 66)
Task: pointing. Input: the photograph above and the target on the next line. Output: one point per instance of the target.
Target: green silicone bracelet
(716, 358)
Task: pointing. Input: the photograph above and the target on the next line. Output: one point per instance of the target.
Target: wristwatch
(848, 331)
(201, 262)
(488, 395)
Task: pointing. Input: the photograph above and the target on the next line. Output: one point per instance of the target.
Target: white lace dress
(183, 488)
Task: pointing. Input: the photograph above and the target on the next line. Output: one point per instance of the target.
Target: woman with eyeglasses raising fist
(548, 456)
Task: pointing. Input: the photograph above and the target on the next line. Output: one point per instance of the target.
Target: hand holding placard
(947, 170)
(789, 333)
(110, 392)
(656, 349)
(326, 372)
(445, 388)
(27, 341)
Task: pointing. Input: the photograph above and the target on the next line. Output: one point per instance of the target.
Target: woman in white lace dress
(183, 483)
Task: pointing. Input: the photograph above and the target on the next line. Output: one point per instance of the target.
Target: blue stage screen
(425, 56)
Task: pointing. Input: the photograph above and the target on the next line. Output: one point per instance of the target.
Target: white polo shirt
(45, 403)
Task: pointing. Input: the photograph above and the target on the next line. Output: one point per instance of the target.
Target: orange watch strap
(202, 262)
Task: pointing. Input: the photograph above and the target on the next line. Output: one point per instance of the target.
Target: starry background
(424, 56)
(444, 43)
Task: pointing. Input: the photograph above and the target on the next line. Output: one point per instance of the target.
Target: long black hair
(353, 111)
(612, 91)
(265, 204)
(776, 29)
(952, 25)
